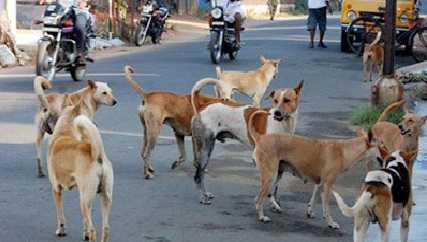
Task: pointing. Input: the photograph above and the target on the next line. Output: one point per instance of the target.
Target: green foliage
(367, 115)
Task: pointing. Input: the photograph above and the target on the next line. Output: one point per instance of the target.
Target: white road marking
(67, 75)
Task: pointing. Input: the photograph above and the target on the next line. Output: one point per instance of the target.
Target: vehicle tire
(418, 43)
(361, 31)
(214, 49)
(139, 35)
(78, 73)
(44, 65)
(344, 43)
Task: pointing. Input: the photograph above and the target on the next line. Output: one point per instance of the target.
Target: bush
(367, 115)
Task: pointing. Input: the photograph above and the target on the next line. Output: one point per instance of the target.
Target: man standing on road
(317, 17)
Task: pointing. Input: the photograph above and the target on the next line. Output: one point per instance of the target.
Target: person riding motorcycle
(234, 13)
(82, 23)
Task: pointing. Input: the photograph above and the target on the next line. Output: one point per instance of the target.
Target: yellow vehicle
(373, 10)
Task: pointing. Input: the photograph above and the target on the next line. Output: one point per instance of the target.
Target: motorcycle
(56, 48)
(222, 35)
(151, 23)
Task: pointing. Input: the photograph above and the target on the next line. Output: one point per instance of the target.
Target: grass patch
(366, 116)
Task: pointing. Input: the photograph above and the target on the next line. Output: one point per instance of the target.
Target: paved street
(166, 208)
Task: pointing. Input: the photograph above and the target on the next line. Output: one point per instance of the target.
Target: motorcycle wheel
(139, 35)
(214, 49)
(78, 73)
(44, 65)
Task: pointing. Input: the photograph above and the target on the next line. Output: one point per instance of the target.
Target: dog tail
(86, 129)
(377, 39)
(197, 88)
(360, 204)
(251, 127)
(390, 108)
(40, 84)
(218, 72)
(128, 72)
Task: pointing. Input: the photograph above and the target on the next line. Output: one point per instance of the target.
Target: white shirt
(316, 4)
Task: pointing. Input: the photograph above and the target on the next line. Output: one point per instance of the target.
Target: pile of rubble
(10, 55)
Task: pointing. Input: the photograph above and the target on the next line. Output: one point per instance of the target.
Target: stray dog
(411, 129)
(385, 197)
(373, 58)
(388, 135)
(158, 108)
(223, 119)
(51, 105)
(319, 160)
(252, 83)
(76, 157)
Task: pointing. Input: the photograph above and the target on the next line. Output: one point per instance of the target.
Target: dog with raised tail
(224, 118)
(251, 83)
(385, 196)
(51, 105)
(373, 58)
(158, 108)
(76, 158)
(318, 160)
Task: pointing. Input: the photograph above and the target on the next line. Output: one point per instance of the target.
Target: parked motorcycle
(222, 35)
(151, 23)
(56, 48)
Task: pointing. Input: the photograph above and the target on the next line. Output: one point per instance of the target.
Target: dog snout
(400, 127)
(277, 113)
(114, 102)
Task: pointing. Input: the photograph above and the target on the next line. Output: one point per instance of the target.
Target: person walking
(317, 17)
(272, 8)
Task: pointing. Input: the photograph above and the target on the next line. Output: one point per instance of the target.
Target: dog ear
(263, 59)
(299, 87)
(91, 84)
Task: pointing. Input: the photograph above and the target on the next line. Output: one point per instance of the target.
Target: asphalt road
(166, 208)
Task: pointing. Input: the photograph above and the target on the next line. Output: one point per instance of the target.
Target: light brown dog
(319, 160)
(373, 58)
(76, 157)
(252, 83)
(51, 105)
(158, 108)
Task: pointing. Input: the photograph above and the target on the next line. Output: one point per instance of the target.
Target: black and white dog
(386, 196)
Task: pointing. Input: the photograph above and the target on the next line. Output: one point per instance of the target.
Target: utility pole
(387, 89)
(389, 38)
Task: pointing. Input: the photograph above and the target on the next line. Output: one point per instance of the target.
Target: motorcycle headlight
(50, 20)
(216, 13)
(404, 18)
(352, 15)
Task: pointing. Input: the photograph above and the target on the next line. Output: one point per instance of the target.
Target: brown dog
(158, 108)
(51, 105)
(252, 83)
(373, 58)
(76, 157)
(319, 160)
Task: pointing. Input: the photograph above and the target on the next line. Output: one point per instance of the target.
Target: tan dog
(411, 129)
(319, 160)
(51, 105)
(223, 119)
(76, 157)
(158, 108)
(387, 134)
(373, 58)
(385, 196)
(252, 83)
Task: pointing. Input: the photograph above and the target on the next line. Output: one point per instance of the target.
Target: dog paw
(61, 232)
(334, 225)
(310, 213)
(175, 164)
(264, 219)
(40, 174)
(276, 209)
(151, 170)
(205, 201)
(209, 195)
(148, 176)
